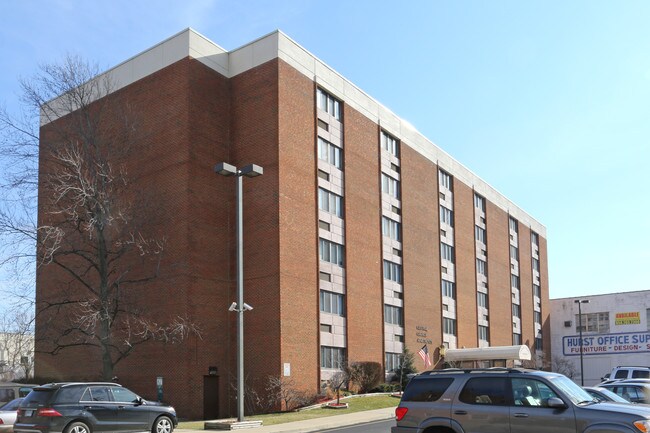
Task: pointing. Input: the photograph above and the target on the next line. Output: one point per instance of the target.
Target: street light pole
(580, 302)
(250, 170)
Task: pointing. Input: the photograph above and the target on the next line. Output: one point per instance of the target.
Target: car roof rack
(478, 370)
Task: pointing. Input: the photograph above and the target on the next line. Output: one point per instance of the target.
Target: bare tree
(283, 391)
(94, 234)
(563, 366)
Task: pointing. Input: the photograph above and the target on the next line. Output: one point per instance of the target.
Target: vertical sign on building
(159, 387)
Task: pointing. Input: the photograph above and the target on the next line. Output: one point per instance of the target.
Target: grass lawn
(356, 404)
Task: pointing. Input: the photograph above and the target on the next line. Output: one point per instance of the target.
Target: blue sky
(548, 101)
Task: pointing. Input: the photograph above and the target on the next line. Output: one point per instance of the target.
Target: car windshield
(612, 396)
(12, 405)
(569, 388)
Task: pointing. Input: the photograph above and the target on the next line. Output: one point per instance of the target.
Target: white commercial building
(615, 331)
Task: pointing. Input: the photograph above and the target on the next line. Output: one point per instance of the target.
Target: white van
(623, 372)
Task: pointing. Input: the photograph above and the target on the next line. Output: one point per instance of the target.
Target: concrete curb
(319, 424)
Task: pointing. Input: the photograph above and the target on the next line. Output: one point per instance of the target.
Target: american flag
(424, 354)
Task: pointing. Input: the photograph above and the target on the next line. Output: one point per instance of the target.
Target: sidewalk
(319, 424)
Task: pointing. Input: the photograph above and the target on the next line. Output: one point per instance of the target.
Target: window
(323, 125)
(332, 357)
(482, 299)
(485, 390)
(516, 310)
(514, 252)
(330, 252)
(327, 103)
(429, 389)
(593, 322)
(481, 267)
(389, 186)
(537, 317)
(96, 393)
(325, 276)
(539, 344)
(513, 225)
(516, 339)
(447, 252)
(333, 303)
(389, 144)
(330, 202)
(534, 239)
(323, 225)
(446, 216)
(329, 153)
(445, 179)
(323, 175)
(537, 291)
(391, 228)
(393, 271)
(536, 264)
(480, 234)
(448, 289)
(483, 333)
(449, 326)
(123, 395)
(530, 392)
(514, 281)
(479, 202)
(325, 328)
(393, 361)
(393, 315)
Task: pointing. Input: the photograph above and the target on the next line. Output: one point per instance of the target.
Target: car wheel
(162, 425)
(77, 427)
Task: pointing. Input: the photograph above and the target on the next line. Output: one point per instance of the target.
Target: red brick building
(361, 238)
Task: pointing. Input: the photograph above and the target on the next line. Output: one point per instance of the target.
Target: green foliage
(407, 367)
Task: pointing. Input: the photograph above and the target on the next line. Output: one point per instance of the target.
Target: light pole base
(231, 425)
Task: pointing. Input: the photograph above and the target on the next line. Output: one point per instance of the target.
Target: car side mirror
(556, 403)
(139, 401)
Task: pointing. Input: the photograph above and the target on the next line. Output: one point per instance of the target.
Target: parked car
(10, 391)
(604, 394)
(500, 400)
(8, 413)
(91, 407)
(634, 391)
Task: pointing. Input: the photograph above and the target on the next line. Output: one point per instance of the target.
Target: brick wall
(297, 225)
(420, 217)
(363, 239)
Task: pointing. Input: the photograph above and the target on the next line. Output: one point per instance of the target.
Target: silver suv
(509, 400)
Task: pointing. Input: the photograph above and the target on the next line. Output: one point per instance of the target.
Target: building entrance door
(210, 397)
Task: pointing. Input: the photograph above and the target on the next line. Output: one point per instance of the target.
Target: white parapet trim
(189, 43)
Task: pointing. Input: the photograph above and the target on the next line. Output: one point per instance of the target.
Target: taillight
(46, 411)
(400, 412)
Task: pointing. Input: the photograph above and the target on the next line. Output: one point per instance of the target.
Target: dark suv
(509, 400)
(91, 407)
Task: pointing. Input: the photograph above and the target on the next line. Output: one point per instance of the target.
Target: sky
(547, 101)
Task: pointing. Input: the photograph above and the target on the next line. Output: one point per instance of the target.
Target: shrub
(366, 375)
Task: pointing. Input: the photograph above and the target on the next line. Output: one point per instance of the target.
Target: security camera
(233, 307)
(247, 307)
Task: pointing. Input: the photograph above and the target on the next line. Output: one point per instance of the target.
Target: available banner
(628, 342)
(631, 318)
